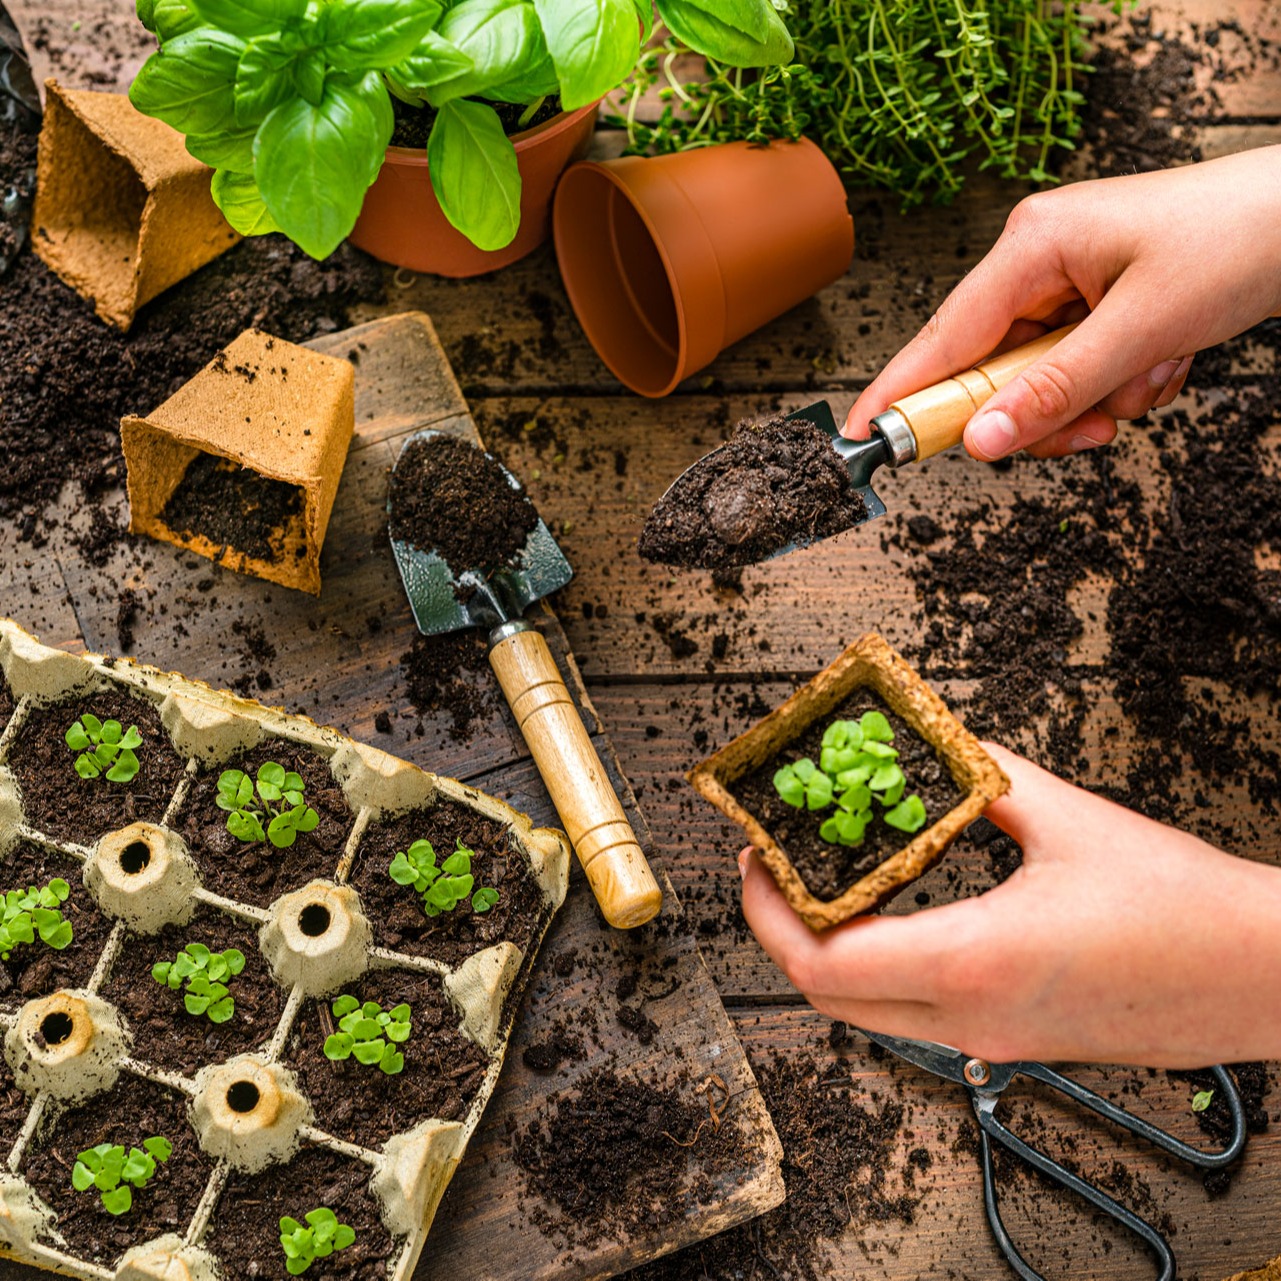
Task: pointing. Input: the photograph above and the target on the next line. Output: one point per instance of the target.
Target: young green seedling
(323, 1235)
(203, 972)
(443, 887)
(1202, 1100)
(369, 1034)
(105, 748)
(110, 1171)
(803, 785)
(34, 911)
(275, 810)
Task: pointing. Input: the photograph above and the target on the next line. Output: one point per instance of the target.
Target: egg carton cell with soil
(115, 868)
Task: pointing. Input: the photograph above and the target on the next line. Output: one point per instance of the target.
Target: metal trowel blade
(442, 602)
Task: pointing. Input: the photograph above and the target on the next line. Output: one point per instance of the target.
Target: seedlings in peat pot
(203, 972)
(104, 747)
(35, 911)
(304, 1245)
(369, 1034)
(443, 887)
(857, 762)
(278, 800)
(110, 1171)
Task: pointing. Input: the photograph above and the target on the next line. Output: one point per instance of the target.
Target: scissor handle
(1144, 1129)
(985, 1110)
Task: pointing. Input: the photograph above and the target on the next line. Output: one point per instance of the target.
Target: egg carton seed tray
(246, 1115)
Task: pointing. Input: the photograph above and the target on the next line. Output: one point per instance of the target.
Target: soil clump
(413, 124)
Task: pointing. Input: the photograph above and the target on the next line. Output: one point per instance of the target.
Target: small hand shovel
(911, 430)
(581, 791)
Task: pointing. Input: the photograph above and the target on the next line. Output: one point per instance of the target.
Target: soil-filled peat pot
(170, 985)
(827, 883)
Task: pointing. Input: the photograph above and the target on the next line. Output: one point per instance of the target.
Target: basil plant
(290, 101)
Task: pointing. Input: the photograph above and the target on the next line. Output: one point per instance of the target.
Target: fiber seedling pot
(263, 404)
(261, 1123)
(669, 260)
(402, 222)
(868, 664)
(122, 211)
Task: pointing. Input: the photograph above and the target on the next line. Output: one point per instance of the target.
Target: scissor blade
(942, 1060)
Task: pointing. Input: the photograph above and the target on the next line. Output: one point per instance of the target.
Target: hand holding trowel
(445, 600)
(779, 486)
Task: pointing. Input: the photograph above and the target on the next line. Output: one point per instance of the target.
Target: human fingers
(1145, 391)
(1091, 430)
(1175, 385)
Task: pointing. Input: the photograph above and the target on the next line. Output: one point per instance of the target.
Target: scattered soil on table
(165, 1035)
(451, 674)
(775, 482)
(234, 507)
(452, 498)
(133, 1110)
(246, 1233)
(621, 1154)
(396, 911)
(1254, 1084)
(257, 872)
(34, 969)
(829, 870)
(442, 1075)
(413, 124)
(59, 803)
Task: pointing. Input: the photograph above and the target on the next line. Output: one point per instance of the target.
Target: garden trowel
(911, 430)
(584, 798)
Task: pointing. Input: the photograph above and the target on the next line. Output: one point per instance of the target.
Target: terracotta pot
(669, 260)
(402, 221)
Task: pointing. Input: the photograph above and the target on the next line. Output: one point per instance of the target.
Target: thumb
(1107, 349)
(1037, 801)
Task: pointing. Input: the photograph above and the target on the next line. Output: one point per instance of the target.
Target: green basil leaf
(474, 173)
(249, 17)
(722, 30)
(237, 195)
(264, 79)
(368, 35)
(146, 11)
(172, 18)
(593, 45)
(510, 59)
(645, 12)
(435, 61)
(313, 165)
(189, 83)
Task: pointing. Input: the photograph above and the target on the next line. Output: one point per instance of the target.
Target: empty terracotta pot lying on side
(669, 260)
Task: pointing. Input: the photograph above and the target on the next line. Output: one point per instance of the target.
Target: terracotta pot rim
(414, 156)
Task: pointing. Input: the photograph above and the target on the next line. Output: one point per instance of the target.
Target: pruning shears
(984, 1083)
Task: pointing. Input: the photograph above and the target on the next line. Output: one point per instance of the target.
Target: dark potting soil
(17, 173)
(258, 873)
(450, 674)
(773, 483)
(449, 497)
(133, 1110)
(35, 969)
(7, 703)
(413, 124)
(164, 1034)
(58, 802)
(620, 1154)
(829, 870)
(246, 1229)
(233, 507)
(442, 1074)
(14, 1106)
(396, 911)
(1254, 1084)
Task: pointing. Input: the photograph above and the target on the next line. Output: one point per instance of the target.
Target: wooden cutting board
(337, 659)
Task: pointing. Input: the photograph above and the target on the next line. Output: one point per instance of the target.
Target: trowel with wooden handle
(584, 798)
(911, 430)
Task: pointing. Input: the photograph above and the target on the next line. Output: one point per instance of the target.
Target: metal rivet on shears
(977, 1072)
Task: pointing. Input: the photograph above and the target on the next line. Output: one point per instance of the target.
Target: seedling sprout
(203, 972)
(369, 1034)
(104, 748)
(443, 887)
(274, 810)
(34, 911)
(304, 1245)
(110, 1171)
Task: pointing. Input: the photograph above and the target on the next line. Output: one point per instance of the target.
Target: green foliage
(290, 101)
(443, 887)
(104, 747)
(203, 972)
(323, 1235)
(278, 801)
(902, 94)
(369, 1034)
(1202, 1100)
(34, 911)
(110, 1171)
(857, 763)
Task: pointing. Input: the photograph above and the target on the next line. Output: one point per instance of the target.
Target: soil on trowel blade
(452, 498)
(774, 483)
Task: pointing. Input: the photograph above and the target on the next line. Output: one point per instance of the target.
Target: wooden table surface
(595, 458)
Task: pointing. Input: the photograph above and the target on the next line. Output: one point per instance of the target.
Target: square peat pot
(868, 664)
(242, 463)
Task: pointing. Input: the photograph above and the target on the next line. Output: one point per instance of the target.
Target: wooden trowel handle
(937, 415)
(584, 798)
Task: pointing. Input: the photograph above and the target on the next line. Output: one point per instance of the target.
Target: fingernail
(743, 859)
(1162, 373)
(993, 434)
(1080, 443)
